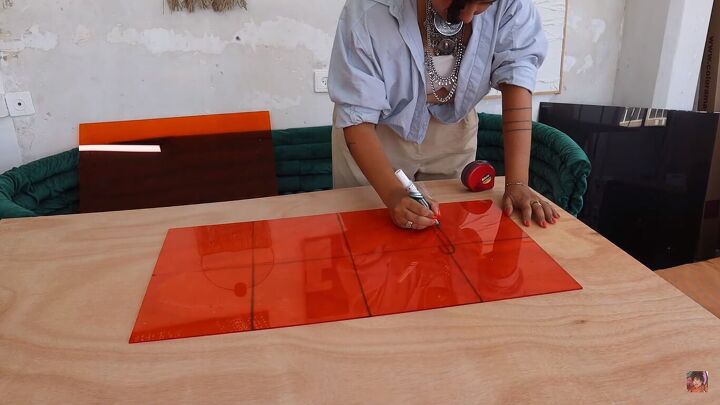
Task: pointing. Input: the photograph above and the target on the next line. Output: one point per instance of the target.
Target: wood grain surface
(70, 289)
(189, 170)
(699, 281)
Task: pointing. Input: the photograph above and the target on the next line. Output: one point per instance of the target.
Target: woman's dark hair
(453, 14)
(697, 375)
(456, 7)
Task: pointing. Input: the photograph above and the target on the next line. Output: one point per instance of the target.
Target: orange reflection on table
(296, 271)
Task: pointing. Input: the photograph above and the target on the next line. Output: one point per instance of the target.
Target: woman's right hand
(407, 213)
(368, 153)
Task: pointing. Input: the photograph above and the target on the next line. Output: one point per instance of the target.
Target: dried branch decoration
(216, 5)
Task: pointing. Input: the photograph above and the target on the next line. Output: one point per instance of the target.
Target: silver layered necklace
(443, 38)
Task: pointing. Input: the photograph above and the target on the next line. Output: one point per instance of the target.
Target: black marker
(414, 193)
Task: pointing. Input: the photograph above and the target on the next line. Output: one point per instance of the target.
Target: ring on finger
(409, 224)
(536, 202)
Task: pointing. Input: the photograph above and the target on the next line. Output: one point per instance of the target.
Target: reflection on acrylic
(297, 271)
(412, 280)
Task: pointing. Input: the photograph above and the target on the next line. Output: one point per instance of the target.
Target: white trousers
(444, 153)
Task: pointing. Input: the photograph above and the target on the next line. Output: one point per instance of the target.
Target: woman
(405, 76)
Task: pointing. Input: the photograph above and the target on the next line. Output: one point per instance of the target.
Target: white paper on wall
(553, 14)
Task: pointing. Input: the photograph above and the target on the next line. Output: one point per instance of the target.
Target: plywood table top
(700, 281)
(71, 287)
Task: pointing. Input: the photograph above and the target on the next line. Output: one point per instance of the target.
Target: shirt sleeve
(355, 81)
(521, 46)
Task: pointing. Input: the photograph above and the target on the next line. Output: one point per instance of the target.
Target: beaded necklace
(443, 38)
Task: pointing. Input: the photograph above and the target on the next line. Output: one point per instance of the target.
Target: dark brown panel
(188, 170)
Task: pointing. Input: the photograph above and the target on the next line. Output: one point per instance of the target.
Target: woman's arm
(366, 149)
(517, 134)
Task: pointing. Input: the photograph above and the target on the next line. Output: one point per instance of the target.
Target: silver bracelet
(514, 184)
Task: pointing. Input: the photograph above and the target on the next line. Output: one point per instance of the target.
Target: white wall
(639, 62)
(662, 51)
(592, 47)
(113, 60)
(103, 60)
(9, 148)
(684, 44)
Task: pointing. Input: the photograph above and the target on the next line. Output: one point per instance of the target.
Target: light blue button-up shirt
(377, 70)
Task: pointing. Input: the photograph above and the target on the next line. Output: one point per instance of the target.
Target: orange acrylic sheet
(100, 133)
(296, 271)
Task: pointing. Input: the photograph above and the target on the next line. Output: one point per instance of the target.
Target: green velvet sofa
(559, 169)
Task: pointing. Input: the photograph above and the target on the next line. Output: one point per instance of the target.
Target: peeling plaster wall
(115, 60)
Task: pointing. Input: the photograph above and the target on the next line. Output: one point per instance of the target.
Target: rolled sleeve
(521, 46)
(349, 115)
(355, 81)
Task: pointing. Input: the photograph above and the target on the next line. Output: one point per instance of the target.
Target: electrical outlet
(321, 81)
(19, 104)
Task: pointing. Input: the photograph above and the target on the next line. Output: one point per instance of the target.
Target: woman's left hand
(531, 206)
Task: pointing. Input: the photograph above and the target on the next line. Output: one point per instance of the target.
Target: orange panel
(206, 248)
(198, 303)
(135, 130)
(477, 221)
(512, 269)
(300, 239)
(468, 222)
(412, 280)
(297, 271)
(306, 292)
(373, 232)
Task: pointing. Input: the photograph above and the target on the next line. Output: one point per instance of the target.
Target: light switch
(19, 104)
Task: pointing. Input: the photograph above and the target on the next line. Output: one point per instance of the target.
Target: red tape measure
(479, 176)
